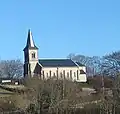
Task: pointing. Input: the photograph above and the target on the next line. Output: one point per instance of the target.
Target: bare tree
(47, 95)
(112, 63)
(92, 63)
(11, 68)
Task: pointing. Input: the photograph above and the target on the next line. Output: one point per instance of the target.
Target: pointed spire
(30, 41)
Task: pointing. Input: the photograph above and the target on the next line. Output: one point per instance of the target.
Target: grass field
(14, 86)
(5, 93)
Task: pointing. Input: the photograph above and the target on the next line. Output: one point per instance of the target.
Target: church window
(74, 74)
(67, 74)
(47, 75)
(54, 74)
(77, 75)
(57, 72)
(50, 73)
(33, 55)
(61, 74)
(70, 74)
(43, 74)
(64, 73)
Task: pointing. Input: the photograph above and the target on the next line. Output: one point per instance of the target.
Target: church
(50, 68)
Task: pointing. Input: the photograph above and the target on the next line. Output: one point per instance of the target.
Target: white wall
(33, 61)
(6, 81)
(80, 78)
(82, 68)
(30, 55)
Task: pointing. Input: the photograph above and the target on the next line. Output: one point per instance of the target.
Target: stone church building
(50, 68)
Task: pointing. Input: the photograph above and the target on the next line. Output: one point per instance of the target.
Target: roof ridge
(54, 58)
(79, 63)
(75, 63)
(57, 62)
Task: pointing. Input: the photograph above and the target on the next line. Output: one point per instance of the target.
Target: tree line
(11, 68)
(65, 97)
(62, 97)
(108, 65)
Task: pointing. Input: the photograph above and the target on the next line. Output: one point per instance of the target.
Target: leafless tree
(11, 68)
(48, 94)
(92, 63)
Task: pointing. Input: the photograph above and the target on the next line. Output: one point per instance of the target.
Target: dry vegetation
(60, 97)
(43, 96)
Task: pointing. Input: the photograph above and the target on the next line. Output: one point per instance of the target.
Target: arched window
(33, 55)
(74, 74)
(54, 74)
(43, 74)
(77, 75)
(61, 75)
(50, 73)
(68, 75)
(47, 75)
(64, 74)
(57, 72)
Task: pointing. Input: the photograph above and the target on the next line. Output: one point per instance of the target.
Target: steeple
(30, 42)
(30, 56)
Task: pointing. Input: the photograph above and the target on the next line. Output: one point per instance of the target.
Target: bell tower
(30, 56)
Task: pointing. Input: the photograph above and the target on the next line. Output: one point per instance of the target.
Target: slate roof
(79, 64)
(57, 63)
(30, 42)
(82, 72)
